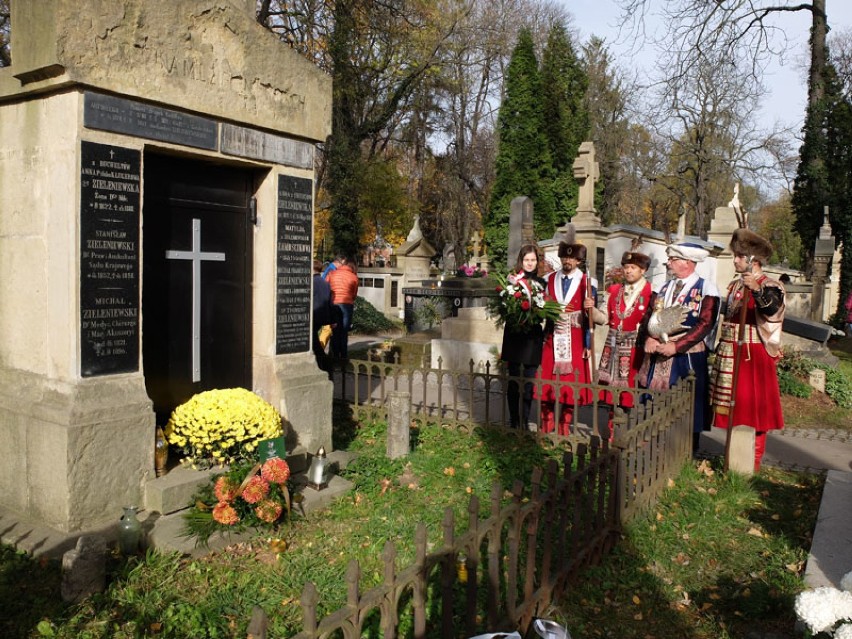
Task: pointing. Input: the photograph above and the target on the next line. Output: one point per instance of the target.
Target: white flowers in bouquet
(827, 609)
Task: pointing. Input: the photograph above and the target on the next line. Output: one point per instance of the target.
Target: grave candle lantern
(319, 472)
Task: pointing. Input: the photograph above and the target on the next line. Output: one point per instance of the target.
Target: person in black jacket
(522, 350)
(323, 312)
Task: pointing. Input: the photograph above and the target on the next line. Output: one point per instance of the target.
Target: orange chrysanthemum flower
(257, 489)
(269, 510)
(275, 470)
(226, 489)
(225, 514)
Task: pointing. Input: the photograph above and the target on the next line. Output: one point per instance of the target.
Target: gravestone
(521, 230)
(156, 209)
(84, 569)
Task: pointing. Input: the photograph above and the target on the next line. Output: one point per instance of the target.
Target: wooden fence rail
(505, 570)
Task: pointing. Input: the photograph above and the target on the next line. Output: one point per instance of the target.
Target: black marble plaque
(109, 113)
(109, 259)
(293, 307)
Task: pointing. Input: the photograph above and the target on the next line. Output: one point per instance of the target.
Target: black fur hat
(745, 242)
(577, 251)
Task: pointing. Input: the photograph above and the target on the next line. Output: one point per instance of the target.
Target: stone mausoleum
(156, 198)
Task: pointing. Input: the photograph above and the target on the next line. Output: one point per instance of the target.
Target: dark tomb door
(196, 288)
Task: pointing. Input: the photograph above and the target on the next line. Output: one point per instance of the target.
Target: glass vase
(129, 531)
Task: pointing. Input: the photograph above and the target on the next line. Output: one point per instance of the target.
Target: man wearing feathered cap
(671, 353)
(565, 357)
(627, 304)
(750, 345)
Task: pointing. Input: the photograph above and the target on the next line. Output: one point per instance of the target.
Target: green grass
(719, 557)
(700, 540)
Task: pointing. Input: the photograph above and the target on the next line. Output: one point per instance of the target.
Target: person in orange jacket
(344, 289)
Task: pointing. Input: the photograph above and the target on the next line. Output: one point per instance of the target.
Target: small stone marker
(817, 379)
(741, 454)
(399, 424)
(84, 569)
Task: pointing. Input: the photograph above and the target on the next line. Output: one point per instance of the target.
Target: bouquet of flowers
(471, 271)
(826, 611)
(521, 305)
(245, 496)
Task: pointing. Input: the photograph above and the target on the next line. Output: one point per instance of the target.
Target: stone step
(172, 491)
(166, 532)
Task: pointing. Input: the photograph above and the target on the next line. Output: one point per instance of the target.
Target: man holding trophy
(680, 331)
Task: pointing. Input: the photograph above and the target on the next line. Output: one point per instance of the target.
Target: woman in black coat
(522, 349)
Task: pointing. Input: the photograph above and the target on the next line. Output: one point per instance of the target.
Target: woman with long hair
(522, 348)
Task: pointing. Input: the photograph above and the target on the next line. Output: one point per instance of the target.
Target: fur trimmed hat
(745, 242)
(638, 259)
(577, 251)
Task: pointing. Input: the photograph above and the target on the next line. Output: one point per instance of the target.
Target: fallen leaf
(636, 600)
(670, 483)
(660, 517)
(706, 606)
(715, 596)
(794, 567)
(776, 517)
(358, 499)
(754, 532)
(450, 471)
(468, 490)
(385, 484)
(638, 616)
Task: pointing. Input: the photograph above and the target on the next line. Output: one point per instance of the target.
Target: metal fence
(505, 570)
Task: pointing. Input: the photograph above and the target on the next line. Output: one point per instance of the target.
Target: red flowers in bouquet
(520, 304)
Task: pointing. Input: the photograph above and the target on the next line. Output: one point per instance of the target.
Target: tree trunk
(819, 29)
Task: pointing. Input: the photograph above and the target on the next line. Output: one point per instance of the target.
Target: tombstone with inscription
(156, 230)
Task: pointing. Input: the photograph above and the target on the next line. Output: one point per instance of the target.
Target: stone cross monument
(587, 173)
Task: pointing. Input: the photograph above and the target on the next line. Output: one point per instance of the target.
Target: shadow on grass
(622, 598)
(29, 590)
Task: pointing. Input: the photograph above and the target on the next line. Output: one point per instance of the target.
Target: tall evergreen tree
(566, 118)
(824, 176)
(523, 165)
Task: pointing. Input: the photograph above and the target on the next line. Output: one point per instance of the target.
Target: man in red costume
(755, 308)
(627, 305)
(565, 357)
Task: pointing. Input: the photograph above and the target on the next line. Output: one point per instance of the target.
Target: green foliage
(523, 165)
(701, 540)
(366, 319)
(824, 176)
(720, 556)
(789, 384)
(431, 311)
(794, 367)
(838, 386)
(565, 117)
(776, 225)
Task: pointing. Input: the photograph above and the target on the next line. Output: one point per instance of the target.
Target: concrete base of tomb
(76, 452)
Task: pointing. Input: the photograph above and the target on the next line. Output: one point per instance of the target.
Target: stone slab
(167, 532)
(831, 549)
(741, 458)
(172, 491)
